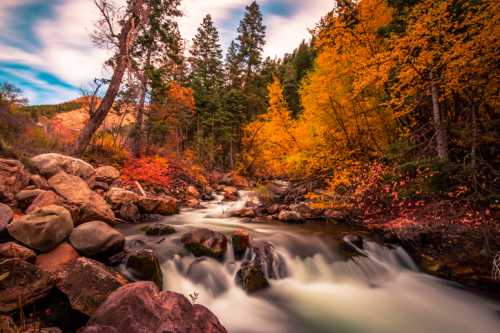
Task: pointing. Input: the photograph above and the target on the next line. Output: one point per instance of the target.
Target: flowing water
(314, 286)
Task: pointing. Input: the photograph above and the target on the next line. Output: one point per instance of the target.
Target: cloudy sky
(46, 50)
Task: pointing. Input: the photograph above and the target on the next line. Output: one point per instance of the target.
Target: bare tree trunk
(474, 147)
(137, 146)
(442, 147)
(126, 39)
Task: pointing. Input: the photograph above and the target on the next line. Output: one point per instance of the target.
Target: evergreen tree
(251, 40)
(233, 66)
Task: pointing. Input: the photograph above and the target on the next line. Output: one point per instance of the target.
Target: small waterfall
(314, 289)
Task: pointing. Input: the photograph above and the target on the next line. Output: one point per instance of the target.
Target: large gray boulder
(76, 192)
(143, 308)
(43, 229)
(13, 178)
(24, 284)
(96, 238)
(51, 164)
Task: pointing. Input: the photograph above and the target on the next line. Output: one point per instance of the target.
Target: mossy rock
(251, 278)
(158, 230)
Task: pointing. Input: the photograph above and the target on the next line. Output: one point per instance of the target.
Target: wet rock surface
(205, 242)
(96, 238)
(251, 278)
(143, 308)
(143, 265)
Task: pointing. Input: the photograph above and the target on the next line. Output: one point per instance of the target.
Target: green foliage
(50, 110)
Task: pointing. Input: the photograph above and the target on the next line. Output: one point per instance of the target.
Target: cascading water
(314, 288)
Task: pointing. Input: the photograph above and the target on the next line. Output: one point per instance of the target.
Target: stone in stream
(265, 255)
(241, 241)
(205, 242)
(43, 229)
(164, 205)
(117, 197)
(289, 216)
(143, 265)
(158, 230)
(7, 325)
(88, 283)
(230, 193)
(23, 284)
(251, 278)
(130, 213)
(246, 212)
(11, 250)
(96, 238)
(140, 307)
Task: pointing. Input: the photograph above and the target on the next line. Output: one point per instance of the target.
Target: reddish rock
(241, 241)
(129, 212)
(117, 197)
(106, 174)
(192, 191)
(158, 205)
(248, 212)
(46, 198)
(231, 193)
(24, 284)
(289, 216)
(39, 182)
(88, 283)
(96, 238)
(11, 250)
(143, 308)
(57, 259)
(205, 242)
(6, 215)
(13, 178)
(25, 197)
(51, 164)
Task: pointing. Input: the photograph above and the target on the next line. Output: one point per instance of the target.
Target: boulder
(303, 209)
(192, 191)
(289, 216)
(205, 242)
(6, 215)
(193, 203)
(117, 197)
(76, 192)
(143, 265)
(24, 198)
(57, 259)
(11, 250)
(13, 178)
(273, 209)
(241, 241)
(158, 230)
(158, 205)
(43, 229)
(230, 193)
(46, 198)
(247, 212)
(39, 182)
(7, 325)
(88, 283)
(334, 214)
(233, 179)
(51, 164)
(96, 238)
(251, 278)
(129, 212)
(24, 284)
(143, 308)
(263, 253)
(106, 174)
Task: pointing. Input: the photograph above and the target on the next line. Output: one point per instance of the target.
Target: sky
(46, 50)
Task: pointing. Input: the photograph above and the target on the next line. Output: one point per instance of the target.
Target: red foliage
(153, 171)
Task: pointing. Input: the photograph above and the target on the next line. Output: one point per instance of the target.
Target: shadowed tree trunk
(441, 142)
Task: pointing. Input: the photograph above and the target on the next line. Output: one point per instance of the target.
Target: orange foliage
(152, 171)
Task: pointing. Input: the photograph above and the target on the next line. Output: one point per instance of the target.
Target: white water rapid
(314, 287)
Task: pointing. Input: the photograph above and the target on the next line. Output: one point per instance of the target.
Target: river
(316, 287)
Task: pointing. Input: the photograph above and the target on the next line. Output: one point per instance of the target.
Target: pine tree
(251, 40)
(233, 66)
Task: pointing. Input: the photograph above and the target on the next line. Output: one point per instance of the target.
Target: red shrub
(153, 171)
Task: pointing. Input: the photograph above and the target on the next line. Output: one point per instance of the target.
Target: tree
(10, 95)
(233, 66)
(157, 43)
(131, 21)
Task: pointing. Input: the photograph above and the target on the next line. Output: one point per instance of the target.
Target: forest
(227, 177)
